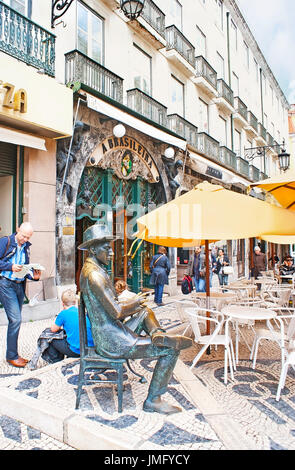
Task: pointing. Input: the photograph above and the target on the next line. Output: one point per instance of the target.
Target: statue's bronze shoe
(159, 406)
(171, 341)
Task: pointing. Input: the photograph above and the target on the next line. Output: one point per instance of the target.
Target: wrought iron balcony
(243, 167)
(80, 68)
(225, 98)
(262, 131)
(178, 42)
(228, 158)
(183, 128)
(27, 41)
(252, 121)
(154, 17)
(147, 106)
(241, 113)
(254, 173)
(206, 77)
(269, 139)
(208, 146)
(225, 91)
(263, 176)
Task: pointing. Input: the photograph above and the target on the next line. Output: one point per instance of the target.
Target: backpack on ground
(187, 285)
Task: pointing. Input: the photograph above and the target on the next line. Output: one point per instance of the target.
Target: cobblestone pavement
(249, 400)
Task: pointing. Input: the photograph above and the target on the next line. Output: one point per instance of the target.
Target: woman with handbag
(222, 268)
(160, 269)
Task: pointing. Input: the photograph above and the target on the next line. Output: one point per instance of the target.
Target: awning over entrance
(20, 138)
(105, 108)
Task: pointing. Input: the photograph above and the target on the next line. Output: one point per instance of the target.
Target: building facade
(195, 96)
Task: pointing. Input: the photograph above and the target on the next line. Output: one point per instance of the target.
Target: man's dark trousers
(12, 295)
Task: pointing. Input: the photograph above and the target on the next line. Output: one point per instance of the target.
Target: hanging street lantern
(132, 8)
(284, 160)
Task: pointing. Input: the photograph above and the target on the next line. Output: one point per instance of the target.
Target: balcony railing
(147, 106)
(154, 17)
(225, 91)
(80, 68)
(262, 131)
(254, 173)
(204, 69)
(25, 40)
(252, 120)
(176, 40)
(208, 146)
(183, 128)
(269, 139)
(241, 108)
(243, 167)
(228, 158)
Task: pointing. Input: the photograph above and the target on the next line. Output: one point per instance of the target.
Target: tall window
(246, 55)
(219, 4)
(237, 143)
(142, 70)
(235, 85)
(234, 34)
(177, 97)
(90, 34)
(223, 133)
(19, 5)
(220, 66)
(174, 15)
(201, 43)
(203, 116)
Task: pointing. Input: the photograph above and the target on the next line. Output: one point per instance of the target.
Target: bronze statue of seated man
(114, 338)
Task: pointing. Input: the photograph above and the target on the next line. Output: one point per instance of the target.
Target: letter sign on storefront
(18, 100)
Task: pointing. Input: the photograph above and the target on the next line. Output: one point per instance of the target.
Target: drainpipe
(229, 78)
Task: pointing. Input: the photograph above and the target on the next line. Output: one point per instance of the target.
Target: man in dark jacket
(15, 252)
(197, 269)
(259, 262)
(160, 269)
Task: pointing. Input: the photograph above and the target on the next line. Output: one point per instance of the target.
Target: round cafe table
(248, 289)
(241, 312)
(219, 299)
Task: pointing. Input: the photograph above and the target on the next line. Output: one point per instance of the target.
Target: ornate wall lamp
(282, 155)
(132, 8)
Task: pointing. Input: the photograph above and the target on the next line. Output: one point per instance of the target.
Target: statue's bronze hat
(96, 232)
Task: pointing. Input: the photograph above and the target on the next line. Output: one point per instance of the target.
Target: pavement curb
(73, 429)
(67, 427)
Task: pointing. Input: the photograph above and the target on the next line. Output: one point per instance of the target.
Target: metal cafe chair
(89, 359)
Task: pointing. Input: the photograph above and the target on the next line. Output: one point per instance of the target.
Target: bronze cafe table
(238, 313)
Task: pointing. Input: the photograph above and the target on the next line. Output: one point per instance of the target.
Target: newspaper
(28, 269)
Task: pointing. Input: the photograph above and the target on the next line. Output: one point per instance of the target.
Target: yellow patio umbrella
(279, 239)
(210, 212)
(282, 187)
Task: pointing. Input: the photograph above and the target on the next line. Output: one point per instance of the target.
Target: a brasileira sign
(129, 145)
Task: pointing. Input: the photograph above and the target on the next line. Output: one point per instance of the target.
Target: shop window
(90, 33)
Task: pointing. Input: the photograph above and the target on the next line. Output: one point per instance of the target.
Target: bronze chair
(89, 359)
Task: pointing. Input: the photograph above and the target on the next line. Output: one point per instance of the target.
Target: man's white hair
(257, 248)
(26, 226)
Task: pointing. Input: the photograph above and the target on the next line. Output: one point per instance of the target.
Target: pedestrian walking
(197, 268)
(15, 252)
(222, 261)
(160, 269)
